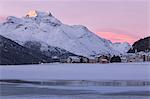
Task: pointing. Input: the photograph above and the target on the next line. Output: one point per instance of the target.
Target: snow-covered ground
(116, 71)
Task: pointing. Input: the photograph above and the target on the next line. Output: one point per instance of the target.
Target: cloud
(116, 37)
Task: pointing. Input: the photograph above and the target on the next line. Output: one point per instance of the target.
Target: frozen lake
(120, 71)
(25, 91)
(76, 81)
(74, 97)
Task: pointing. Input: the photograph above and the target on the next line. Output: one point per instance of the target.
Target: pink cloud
(115, 37)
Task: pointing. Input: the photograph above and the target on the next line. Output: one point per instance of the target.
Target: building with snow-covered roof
(84, 59)
(136, 57)
(73, 59)
(102, 58)
(92, 60)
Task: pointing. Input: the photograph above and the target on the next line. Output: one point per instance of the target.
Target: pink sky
(116, 20)
(114, 37)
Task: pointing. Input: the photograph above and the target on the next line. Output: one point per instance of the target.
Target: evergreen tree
(115, 59)
(141, 45)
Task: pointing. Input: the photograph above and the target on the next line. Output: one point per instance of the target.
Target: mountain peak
(35, 13)
(44, 28)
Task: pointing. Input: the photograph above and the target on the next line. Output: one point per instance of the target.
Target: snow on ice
(120, 71)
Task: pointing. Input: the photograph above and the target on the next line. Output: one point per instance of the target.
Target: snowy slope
(121, 47)
(46, 29)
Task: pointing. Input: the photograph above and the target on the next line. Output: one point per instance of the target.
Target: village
(128, 57)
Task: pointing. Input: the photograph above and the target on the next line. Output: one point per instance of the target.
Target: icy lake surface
(76, 81)
(27, 91)
(120, 71)
(75, 97)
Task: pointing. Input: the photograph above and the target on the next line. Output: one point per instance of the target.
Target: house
(145, 55)
(134, 57)
(123, 59)
(102, 59)
(84, 59)
(73, 59)
(55, 59)
(92, 60)
(148, 56)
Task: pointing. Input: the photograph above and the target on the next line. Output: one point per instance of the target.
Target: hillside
(141, 45)
(13, 53)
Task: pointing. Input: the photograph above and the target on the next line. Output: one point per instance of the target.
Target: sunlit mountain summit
(44, 28)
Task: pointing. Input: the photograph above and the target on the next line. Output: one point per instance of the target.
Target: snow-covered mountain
(11, 53)
(121, 47)
(48, 31)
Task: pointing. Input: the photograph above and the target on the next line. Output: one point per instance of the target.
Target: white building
(73, 59)
(136, 57)
(92, 59)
